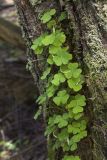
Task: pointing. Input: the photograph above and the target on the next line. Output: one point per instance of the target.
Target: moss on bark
(91, 30)
(88, 23)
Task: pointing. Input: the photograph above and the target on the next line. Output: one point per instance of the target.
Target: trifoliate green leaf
(78, 116)
(52, 12)
(46, 18)
(58, 78)
(70, 128)
(33, 47)
(75, 84)
(77, 109)
(63, 135)
(76, 124)
(49, 39)
(77, 73)
(39, 50)
(61, 98)
(76, 130)
(75, 139)
(51, 24)
(77, 104)
(71, 70)
(37, 45)
(62, 123)
(50, 91)
(62, 58)
(65, 116)
(57, 119)
(57, 101)
(50, 60)
(73, 130)
(70, 113)
(59, 38)
(51, 119)
(71, 158)
(48, 15)
(83, 134)
(72, 65)
(77, 158)
(60, 55)
(74, 69)
(65, 147)
(83, 125)
(72, 104)
(80, 100)
(54, 50)
(37, 42)
(45, 73)
(74, 147)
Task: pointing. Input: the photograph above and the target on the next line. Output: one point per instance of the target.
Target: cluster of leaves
(69, 126)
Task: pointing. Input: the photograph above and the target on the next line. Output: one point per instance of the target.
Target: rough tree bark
(88, 29)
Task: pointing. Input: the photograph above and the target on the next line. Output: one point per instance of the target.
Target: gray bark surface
(88, 23)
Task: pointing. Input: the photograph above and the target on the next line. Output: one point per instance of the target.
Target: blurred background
(21, 137)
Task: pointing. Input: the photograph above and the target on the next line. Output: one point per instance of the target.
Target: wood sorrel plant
(65, 118)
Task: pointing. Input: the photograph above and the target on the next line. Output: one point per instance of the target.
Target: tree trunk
(88, 20)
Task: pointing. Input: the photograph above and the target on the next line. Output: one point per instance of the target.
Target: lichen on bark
(88, 21)
(92, 39)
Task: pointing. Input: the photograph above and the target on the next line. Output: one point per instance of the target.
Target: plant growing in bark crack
(66, 123)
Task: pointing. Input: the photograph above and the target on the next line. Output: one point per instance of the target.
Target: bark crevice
(88, 21)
